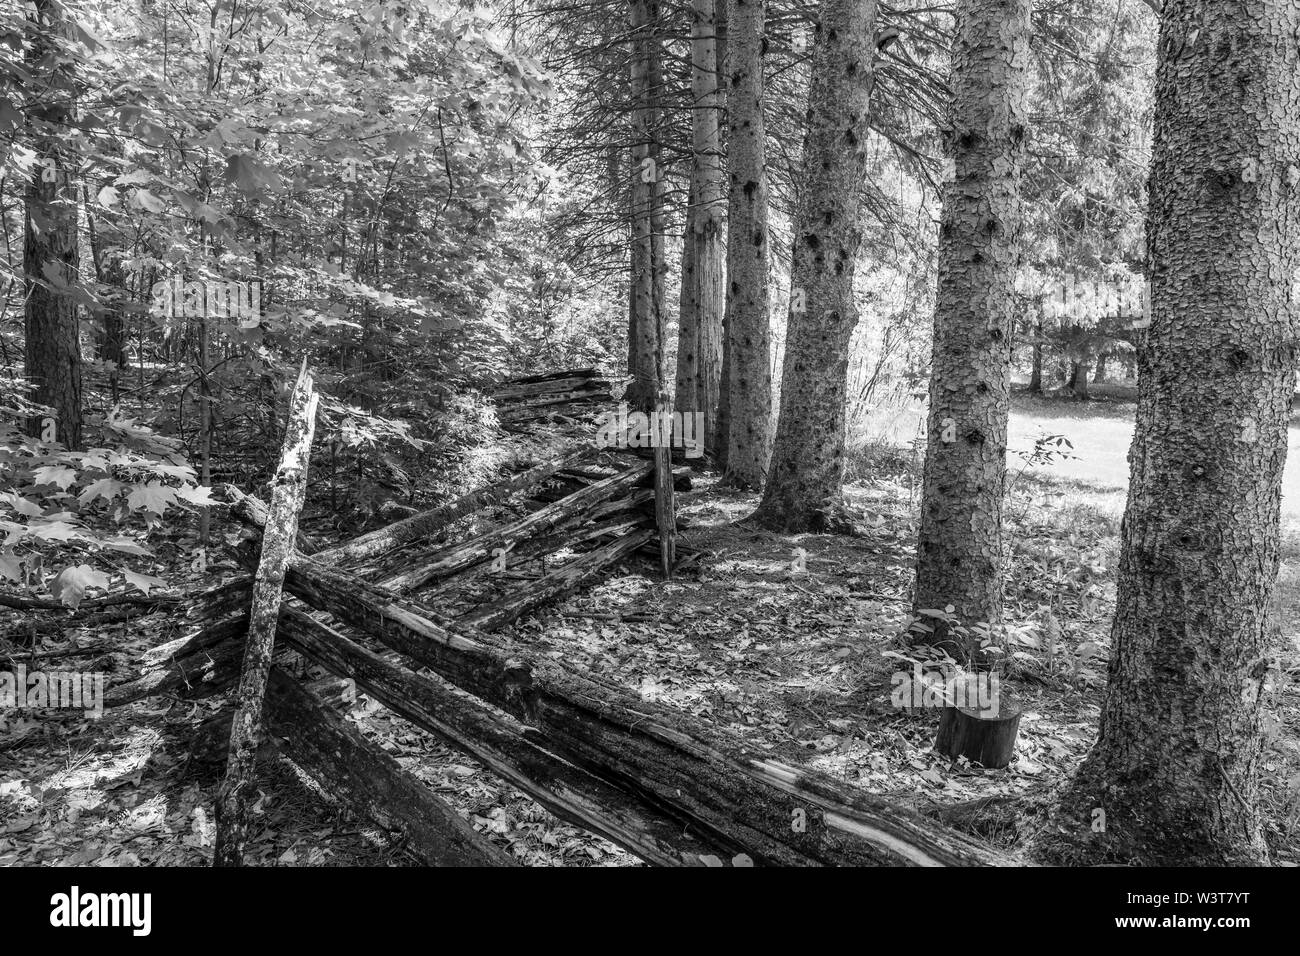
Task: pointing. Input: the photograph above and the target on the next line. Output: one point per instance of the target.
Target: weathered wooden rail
(670, 790)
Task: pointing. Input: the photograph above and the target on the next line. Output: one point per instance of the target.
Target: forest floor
(798, 662)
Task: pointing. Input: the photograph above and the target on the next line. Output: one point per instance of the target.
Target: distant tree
(1084, 179)
(748, 414)
(807, 466)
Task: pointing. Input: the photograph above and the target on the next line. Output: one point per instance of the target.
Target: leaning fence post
(289, 487)
(665, 506)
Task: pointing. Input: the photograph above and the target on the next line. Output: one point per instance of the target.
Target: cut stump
(986, 737)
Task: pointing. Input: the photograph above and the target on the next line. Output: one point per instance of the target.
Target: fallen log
(640, 501)
(513, 752)
(446, 561)
(254, 511)
(528, 405)
(551, 376)
(289, 491)
(346, 764)
(566, 538)
(29, 627)
(517, 389)
(227, 598)
(386, 539)
(557, 583)
(21, 603)
(201, 665)
(734, 796)
(579, 530)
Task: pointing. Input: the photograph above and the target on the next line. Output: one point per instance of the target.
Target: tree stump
(986, 737)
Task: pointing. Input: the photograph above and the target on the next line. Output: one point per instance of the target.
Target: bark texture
(706, 235)
(1175, 764)
(746, 423)
(959, 551)
(688, 328)
(807, 466)
(290, 488)
(646, 327)
(51, 256)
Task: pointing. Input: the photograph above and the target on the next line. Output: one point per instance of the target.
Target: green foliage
(366, 164)
(60, 506)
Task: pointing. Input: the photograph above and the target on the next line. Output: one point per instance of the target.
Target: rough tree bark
(807, 466)
(646, 326)
(290, 487)
(51, 258)
(746, 424)
(1174, 766)
(688, 328)
(959, 551)
(705, 241)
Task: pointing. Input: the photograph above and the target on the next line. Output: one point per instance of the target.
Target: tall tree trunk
(959, 549)
(720, 450)
(646, 325)
(1174, 766)
(51, 259)
(688, 327)
(807, 467)
(748, 408)
(704, 244)
(710, 221)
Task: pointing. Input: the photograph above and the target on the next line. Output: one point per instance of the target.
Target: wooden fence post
(665, 505)
(289, 489)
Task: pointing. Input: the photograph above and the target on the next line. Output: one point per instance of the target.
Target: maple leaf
(153, 497)
(11, 568)
(196, 494)
(53, 530)
(60, 475)
(22, 505)
(183, 472)
(143, 581)
(70, 585)
(144, 199)
(103, 488)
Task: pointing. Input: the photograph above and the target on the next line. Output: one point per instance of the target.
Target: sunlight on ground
(1100, 431)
